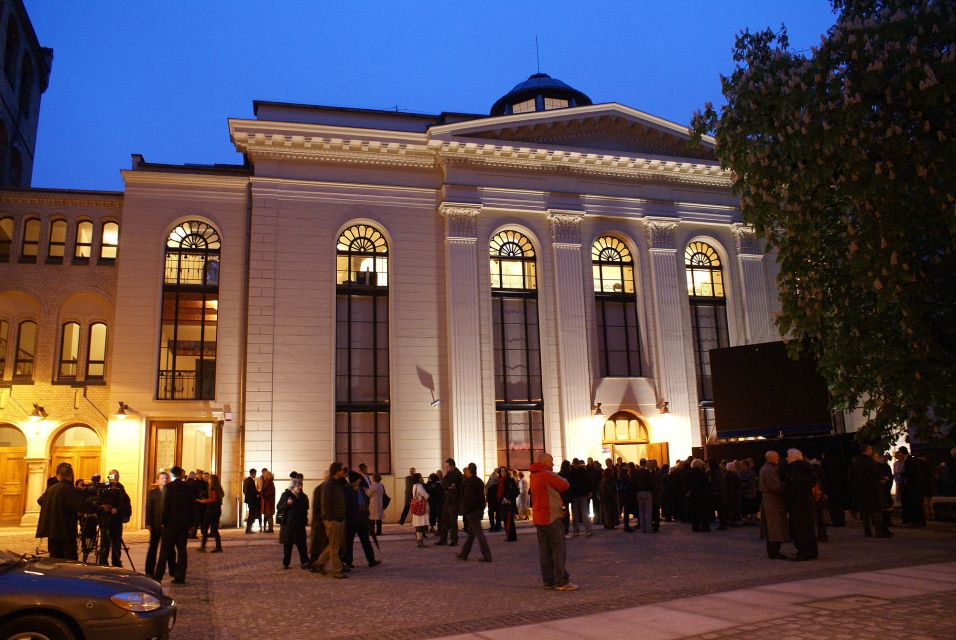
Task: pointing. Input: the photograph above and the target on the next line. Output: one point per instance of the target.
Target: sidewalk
(913, 602)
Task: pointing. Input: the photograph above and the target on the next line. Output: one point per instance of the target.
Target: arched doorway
(626, 437)
(13, 474)
(80, 446)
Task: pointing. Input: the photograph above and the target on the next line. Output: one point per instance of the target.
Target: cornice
(62, 199)
(184, 178)
(336, 150)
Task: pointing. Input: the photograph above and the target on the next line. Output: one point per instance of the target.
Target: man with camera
(59, 507)
(116, 510)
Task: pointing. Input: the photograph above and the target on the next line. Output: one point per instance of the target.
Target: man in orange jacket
(547, 511)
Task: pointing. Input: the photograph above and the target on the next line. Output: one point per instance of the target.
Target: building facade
(381, 287)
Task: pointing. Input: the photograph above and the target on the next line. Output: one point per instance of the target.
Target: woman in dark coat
(565, 472)
(700, 496)
(506, 493)
(608, 491)
(798, 486)
(436, 496)
(293, 511)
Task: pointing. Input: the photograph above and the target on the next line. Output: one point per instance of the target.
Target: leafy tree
(844, 159)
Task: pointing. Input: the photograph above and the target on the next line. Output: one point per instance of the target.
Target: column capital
(461, 220)
(660, 233)
(565, 226)
(746, 240)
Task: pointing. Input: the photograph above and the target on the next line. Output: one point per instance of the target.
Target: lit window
(6, 238)
(84, 241)
(69, 350)
(31, 241)
(26, 350)
(523, 107)
(519, 403)
(4, 328)
(110, 242)
(96, 354)
(57, 241)
(362, 408)
(708, 311)
(555, 103)
(616, 306)
(190, 316)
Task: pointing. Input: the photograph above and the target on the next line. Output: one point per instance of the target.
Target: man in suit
(154, 520)
(250, 495)
(472, 506)
(448, 525)
(179, 500)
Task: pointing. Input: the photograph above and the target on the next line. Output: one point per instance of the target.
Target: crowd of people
(791, 498)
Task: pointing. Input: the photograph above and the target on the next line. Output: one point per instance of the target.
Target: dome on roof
(540, 92)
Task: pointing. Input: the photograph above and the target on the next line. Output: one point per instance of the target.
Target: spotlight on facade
(122, 414)
(663, 408)
(38, 413)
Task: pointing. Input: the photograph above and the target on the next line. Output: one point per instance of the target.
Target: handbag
(386, 500)
(419, 507)
(280, 517)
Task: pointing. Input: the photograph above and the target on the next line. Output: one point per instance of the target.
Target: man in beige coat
(773, 511)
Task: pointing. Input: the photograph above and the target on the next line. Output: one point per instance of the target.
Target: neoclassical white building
(390, 288)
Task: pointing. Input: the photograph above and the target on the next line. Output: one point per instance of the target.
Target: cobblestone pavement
(421, 593)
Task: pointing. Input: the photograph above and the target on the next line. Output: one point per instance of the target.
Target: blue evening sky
(160, 78)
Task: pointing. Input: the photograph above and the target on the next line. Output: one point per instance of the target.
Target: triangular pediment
(608, 128)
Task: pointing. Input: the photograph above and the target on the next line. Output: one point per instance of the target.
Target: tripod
(92, 539)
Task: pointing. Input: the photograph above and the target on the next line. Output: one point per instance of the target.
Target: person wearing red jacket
(547, 511)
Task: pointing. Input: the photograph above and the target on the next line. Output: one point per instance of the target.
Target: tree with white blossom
(844, 159)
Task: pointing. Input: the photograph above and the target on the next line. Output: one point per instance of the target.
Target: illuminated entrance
(626, 437)
(13, 474)
(190, 445)
(80, 446)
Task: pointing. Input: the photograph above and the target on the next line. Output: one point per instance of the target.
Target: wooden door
(13, 476)
(85, 461)
(659, 451)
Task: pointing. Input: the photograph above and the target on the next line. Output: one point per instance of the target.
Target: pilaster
(36, 485)
(758, 317)
(668, 293)
(464, 339)
(581, 439)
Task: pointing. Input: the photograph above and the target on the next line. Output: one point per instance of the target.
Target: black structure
(540, 92)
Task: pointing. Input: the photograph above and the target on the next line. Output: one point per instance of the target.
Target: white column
(464, 339)
(581, 438)
(36, 485)
(669, 293)
(753, 286)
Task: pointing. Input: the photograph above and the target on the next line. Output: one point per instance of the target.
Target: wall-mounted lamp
(122, 413)
(663, 408)
(597, 410)
(38, 413)
(434, 403)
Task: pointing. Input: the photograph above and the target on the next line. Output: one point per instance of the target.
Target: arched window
(16, 168)
(26, 86)
(11, 50)
(109, 246)
(519, 402)
(26, 350)
(625, 428)
(30, 246)
(57, 245)
(69, 351)
(362, 410)
(708, 314)
(6, 238)
(618, 334)
(190, 318)
(96, 353)
(4, 328)
(84, 241)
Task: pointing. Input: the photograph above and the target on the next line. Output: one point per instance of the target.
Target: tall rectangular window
(69, 351)
(362, 414)
(190, 315)
(619, 343)
(6, 237)
(708, 313)
(96, 353)
(57, 242)
(30, 247)
(26, 350)
(519, 401)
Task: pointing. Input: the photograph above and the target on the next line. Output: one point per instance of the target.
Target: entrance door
(190, 445)
(80, 446)
(13, 473)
